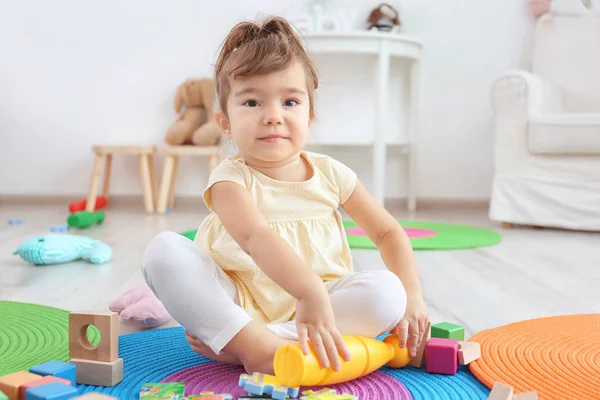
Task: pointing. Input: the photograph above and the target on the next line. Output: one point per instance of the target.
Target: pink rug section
(412, 233)
(222, 378)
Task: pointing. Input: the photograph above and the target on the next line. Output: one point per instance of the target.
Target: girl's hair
(253, 49)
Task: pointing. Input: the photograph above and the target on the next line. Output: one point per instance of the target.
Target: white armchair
(547, 130)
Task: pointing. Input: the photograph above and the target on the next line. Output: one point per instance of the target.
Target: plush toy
(62, 248)
(384, 18)
(139, 306)
(196, 124)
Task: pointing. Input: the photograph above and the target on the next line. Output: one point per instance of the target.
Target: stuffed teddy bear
(196, 124)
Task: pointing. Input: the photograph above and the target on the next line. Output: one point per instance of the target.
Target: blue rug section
(153, 355)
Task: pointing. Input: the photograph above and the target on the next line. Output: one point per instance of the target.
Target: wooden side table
(104, 155)
(166, 195)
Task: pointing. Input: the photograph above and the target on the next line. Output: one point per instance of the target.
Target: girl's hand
(414, 324)
(315, 321)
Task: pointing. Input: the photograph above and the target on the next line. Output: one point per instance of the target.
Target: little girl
(271, 263)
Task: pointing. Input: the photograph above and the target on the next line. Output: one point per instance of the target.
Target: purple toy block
(441, 356)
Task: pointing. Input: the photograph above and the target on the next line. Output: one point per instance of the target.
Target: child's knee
(160, 252)
(387, 298)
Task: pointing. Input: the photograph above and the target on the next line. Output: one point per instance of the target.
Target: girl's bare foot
(201, 348)
(259, 356)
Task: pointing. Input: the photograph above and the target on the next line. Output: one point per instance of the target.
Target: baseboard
(195, 201)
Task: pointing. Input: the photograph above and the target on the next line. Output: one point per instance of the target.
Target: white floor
(531, 273)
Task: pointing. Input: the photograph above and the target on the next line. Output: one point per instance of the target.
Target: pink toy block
(441, 356)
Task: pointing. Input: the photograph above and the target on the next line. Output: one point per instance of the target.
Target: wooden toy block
(42, 381)
(79, 345)
(501, 391)
(441, 356)
(53, 391)
(98, 373)
(10, 384)
(95, 396)
(55, 368)
(526, 396)
(419, 360)
(468, 352)
(446, 330)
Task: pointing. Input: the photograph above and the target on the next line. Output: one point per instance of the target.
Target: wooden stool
(104, 155)
(169, 176)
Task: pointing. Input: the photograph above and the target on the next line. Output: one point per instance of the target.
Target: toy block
(442, 356)
(55, 368)
(79, 345)
(526, 396)
(98, 373)
(51, 391)
(42, 381)
(81, 205)
(10, 384)
(446, 330)
(468, 352)
(419, 360)
(501, 391)
(95, 396)
(259, 384)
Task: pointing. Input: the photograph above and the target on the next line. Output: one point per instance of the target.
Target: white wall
(75, 73)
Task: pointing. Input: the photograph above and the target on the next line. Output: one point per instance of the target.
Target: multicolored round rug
(425, 235)
(164, 355)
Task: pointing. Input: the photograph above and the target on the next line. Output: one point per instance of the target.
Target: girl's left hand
(414, 324)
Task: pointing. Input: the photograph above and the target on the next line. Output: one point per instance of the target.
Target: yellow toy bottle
(293, 368)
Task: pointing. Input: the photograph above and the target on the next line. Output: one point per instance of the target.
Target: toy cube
(98, 373)
(10, 384)
(42, 381)
(441, 356)
(468, 352)
(51, 391)
(58, 369)
(446, 330)
(501, 391)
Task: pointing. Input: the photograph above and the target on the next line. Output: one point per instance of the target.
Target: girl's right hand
(315, 321)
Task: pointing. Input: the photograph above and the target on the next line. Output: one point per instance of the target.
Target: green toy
(85, 219)
(446, 330)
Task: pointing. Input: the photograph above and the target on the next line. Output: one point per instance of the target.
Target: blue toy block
(51, 391)
(58, 369)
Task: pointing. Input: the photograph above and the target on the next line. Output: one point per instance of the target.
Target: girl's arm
(388, 236)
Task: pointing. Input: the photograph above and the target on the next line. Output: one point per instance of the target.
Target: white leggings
(203, 299)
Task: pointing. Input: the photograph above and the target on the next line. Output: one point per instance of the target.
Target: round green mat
(32, 334)
(448, 236)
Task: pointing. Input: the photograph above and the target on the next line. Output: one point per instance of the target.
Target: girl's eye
(291, 103)
(252, 103)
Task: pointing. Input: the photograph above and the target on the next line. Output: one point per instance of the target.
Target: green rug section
(449, 236)
(190, 234)
(32, 334)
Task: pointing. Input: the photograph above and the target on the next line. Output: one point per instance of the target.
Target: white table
(385, 45)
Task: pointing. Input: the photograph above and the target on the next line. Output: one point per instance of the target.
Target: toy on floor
(62, 248)
(326, 394)
(139, 306)
(446, 330)
(16, 221)
(501, 391)
(293, 368)
(96, 365)
(259, 384)
(160, 390)
(54, 378)
(85, 219)
(81, 205)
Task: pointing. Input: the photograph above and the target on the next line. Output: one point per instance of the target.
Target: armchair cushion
(564, 134)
